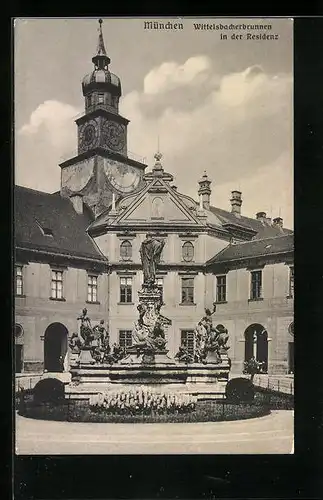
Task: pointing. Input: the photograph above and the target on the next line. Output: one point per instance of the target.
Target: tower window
(101, 98)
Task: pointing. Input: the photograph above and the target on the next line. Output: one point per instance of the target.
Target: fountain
(96, 368)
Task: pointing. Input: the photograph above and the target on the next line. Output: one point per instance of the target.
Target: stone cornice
(168, 227)
(99, 151)
(102, 112)
(49, 257)
(162, 268)
(251, 262)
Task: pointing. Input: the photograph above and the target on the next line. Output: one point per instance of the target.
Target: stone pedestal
(86, 356)
(213, 357)
(149, 333)
(159, 357)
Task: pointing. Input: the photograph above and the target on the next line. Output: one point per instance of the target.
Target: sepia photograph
(153, 236)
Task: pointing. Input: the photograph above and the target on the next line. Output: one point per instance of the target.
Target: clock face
(88, 135)
(113, 135)
(123, 178)
(75, 177)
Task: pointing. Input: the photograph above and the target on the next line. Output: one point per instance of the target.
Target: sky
(224, 106)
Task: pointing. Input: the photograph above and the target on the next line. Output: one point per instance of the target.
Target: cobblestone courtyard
(272, 434)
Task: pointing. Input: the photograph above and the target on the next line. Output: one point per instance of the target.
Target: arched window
(157, 208)
(291, 329)
(126, 250)
(187, 251)
(18, 331)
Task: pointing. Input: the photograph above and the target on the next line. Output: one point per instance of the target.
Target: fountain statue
(210, 341)
(149, 338)
(150, 252)
(91, 343)
(201, 368)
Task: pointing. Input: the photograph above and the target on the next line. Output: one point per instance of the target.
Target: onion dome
(101, 79)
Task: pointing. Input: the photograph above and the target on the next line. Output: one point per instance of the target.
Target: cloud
(48, 138)
(236, 126)
(170, 75)
(55, 119)
(270, 190)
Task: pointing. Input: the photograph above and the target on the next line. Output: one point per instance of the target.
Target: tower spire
(101, 60)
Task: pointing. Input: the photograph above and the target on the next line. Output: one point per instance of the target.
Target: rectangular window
(19, 280)
(57, 285)
(92, 288)
(125, 290)
(187, 290)
(291, 281)
(256, 285)
(187, 340)
(160, 284)
(221, 288)
(101, 98)
(125, 338)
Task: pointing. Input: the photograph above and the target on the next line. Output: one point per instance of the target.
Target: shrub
(252, 366)
(49, 390)
(142, 401)
(205, 411)
(240, 390)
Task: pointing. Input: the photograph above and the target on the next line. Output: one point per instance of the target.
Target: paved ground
(272, 434)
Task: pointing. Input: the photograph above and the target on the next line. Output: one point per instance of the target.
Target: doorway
(55, 347)
(19, 348)
(19, 358)
(256, 345)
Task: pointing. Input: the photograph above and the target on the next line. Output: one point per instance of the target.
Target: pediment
(157, 203)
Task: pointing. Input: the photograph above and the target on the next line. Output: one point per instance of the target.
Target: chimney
(205, 191)
(236, 202)
(261, 216)
(77, 201)
(278, 221)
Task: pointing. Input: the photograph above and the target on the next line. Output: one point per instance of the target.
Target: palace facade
(79, 247)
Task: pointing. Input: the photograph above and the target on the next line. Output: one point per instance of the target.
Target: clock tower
(102, 165)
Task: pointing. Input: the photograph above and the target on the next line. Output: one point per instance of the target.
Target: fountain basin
(207, 380)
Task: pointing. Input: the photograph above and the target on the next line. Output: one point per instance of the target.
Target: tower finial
(101, 59)
(158, 156)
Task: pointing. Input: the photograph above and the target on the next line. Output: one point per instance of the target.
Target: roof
(37, 213)
(255, 248)
(264, 229)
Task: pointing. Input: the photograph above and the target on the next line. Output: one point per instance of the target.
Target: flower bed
(82, 411)
(142, 401)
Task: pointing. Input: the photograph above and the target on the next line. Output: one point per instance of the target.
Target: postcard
(154, 242)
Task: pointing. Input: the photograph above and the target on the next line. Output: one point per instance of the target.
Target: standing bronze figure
(150, 252)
